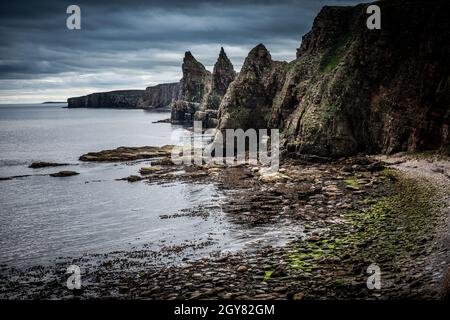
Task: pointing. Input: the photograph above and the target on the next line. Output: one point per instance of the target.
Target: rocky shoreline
(354, 212)
(350, 90)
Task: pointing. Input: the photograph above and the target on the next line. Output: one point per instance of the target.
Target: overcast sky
(134, 44)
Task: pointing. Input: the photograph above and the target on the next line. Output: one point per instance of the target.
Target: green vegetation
(386, 229)
(293, 65)
(330, 112)
(340, 282)
(330, 62)
(333, 57)
(352, 182)
(267, 274)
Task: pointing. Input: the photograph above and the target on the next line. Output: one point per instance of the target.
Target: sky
(134, 44)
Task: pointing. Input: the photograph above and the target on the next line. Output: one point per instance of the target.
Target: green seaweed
(352, 182)
(267, 275)
(384, 229)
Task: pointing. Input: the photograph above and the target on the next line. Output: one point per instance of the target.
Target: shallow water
(43, 218)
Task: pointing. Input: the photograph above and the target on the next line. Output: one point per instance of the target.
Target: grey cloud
(128, 38)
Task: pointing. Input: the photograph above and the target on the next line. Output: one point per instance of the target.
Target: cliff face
(200, 91)
(223, 74)
(130, 99)
(352, 89)
(247, 103)
(196, 82)
(161, 95)
(151, 98)
(196, 79)
(371, 90)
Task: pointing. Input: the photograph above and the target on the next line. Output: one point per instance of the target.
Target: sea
(44, 218)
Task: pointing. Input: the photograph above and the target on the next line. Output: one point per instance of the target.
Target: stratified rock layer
(161, 95)
(248, 100)
(352, 89)
(196, 79)
(196, 82)
(130, 99)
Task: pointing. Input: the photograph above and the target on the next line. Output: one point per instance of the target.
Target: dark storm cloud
(139, 42)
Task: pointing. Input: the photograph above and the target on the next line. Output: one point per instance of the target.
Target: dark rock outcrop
(196, 79)
(129, 99)
(182, 112)
(64, 174)
(223, 74)
(196, 82)
(154, 97)
(43, 164)
(249, 98)
(128, 153)
(161, 95)
(352, 89)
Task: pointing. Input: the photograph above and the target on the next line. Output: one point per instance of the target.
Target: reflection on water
(43, 218)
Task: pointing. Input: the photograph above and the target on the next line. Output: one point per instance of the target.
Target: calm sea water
(43, 218)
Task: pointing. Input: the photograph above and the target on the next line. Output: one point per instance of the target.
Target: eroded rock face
(161, 95)
(196, 79)
(223, 74)
(248, 100)
(130, 99)
(196, 82)
(353, 90)
(183, 111)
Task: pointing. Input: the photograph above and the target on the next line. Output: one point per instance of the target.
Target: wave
(13, 162)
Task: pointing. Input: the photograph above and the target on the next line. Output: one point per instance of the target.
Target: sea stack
(195, 83)
(223, 74)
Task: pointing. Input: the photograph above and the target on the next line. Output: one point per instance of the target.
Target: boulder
(64, 174)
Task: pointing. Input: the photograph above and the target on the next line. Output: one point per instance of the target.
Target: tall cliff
(161, 95)
(194, 84)
(130, 99)
(153, 97)
(352, 89)
(247, 102)
(223, 74)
